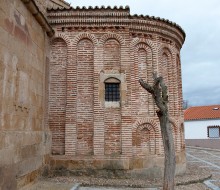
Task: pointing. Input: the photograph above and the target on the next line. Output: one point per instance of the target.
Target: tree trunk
(159, 94)
(169, 151)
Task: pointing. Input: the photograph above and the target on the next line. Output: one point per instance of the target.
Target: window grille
(112, 92)
(213, 131)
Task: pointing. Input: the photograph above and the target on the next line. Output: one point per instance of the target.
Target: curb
(201, 180)
(202, 148)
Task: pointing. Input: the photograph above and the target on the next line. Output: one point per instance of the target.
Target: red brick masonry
(93, 45)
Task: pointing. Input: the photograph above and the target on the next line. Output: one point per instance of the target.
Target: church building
(97, 109)
(70, 94)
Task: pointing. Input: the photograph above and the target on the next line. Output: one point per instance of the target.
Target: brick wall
(57, 95)
(127, 131)
(85, 99)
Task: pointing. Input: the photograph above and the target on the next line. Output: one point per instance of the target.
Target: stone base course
(150, 167)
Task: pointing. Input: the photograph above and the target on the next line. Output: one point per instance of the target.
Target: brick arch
(148, 45)
(142, 126)
(179, 83)
(85, 100)
(62, 36)
(137, 41)
(57, 94)
(117, 37)
(81, 36)
(134, 43)
(144, 46)
(175, 125)
(176, 134)
(151, 144)
(167, 70)
(165, 48)
(143, 56)
(146, 120)
(112, 55)
(182, 142)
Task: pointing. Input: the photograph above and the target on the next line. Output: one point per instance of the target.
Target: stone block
(2, 139)
(116, 164)
(137, 163)
(8, 178)
(28, 165)
(4, 7)
(3, 37)
(6, 155)
(147, 173)
(29, 151)
(27, 179)
(97, 164)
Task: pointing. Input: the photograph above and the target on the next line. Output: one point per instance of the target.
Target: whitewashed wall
(198, 129)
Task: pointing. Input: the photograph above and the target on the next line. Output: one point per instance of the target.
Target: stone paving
(209, 159)
(201, 158)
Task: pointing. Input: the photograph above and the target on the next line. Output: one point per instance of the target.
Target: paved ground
(209, 159)
(201, 158)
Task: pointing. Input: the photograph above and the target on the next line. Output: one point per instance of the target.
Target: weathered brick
(96, 51)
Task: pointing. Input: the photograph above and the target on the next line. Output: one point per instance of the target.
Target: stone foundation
(150, 167)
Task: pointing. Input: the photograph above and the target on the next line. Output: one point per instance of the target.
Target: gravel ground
(189, 181)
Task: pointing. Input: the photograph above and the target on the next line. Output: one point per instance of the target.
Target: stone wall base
(204, 143)
(149, 167)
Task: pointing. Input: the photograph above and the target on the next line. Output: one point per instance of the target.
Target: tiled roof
(92, 8)
(202, 112)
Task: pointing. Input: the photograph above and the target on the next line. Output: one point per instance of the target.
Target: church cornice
(116, 16)
(32, 7)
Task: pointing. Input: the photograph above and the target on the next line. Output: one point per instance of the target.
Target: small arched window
(112, 90)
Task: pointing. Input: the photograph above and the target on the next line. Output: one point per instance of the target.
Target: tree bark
(159, 93)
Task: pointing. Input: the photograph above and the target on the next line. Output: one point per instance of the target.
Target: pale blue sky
(200, 55)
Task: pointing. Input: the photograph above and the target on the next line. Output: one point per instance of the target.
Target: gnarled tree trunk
(159, 93)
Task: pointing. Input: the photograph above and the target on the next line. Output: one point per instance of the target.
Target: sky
(200, 54)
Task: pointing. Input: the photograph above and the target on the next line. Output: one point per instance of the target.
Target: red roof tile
(202, 112)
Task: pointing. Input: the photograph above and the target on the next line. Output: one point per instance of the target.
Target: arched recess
(144, 65)
(112, 55)
(63, 37)
(149, 43)
(182, 137)
(57, 94)
(73, 146)
(81, 36)
(112, 116)
(85, 97)
(176, 134)
(179, 83)
(150, 52)
(108, 36)
(166, 70)
(145, 138)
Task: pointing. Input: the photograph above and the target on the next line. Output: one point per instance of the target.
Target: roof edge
(127, 8)
(32, 7)
(159, 19)
(201, 119)
(61, 3)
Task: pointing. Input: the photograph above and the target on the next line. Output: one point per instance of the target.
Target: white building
(202, 126)
(202, 122)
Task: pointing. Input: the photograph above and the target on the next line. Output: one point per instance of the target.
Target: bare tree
(159, 93)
